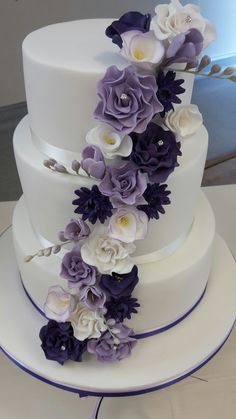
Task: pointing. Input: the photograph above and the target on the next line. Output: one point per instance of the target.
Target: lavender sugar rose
(78, 273)
(128, 100)
(124, 185)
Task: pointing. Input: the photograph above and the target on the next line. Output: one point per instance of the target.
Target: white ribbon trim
(164, 252)
(62, 155)
(158, 255)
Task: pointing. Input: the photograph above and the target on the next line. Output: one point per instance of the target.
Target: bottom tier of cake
(156, 362)
(167, 290)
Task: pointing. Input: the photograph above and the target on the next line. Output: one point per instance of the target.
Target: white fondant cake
(62, 73)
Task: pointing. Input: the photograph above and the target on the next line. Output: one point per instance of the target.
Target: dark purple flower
(185, 48)
(168, 90)
(156, 196)
(59, 343)
(92, 204)
(93, 162)
(111, 347)
(124, 185)
(130, 21)
(76, 271)
(75, 231)
(120, 285)
(155, 152)
(128, 100)
(122, 308)
(93, 297)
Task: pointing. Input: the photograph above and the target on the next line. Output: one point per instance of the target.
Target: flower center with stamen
(139, 55)
(124, 221)
(110, 140)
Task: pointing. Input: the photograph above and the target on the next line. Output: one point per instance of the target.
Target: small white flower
(185, 120)
(128, 224)
(172, 19)
(142, 49)
(110, 142)
(108, 254)
(59, 304)
(87, 323)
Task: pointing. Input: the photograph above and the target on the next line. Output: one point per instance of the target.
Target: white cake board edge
(156, 362)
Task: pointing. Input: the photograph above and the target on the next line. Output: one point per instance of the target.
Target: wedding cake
(113, 235)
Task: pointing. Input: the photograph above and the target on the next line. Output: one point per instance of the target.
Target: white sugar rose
(110, 142)
(185, 120)
(87, 323)
(107, 254)
(142, 49)
(172, 19)
(59, 304)
(128, 224)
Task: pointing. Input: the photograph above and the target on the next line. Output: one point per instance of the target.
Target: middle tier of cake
(49, 195)
(167, 290)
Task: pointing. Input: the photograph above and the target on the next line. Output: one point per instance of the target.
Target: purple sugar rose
(155, 152)
(93, 162)
(185, 48)
(93, 297)
(130, 21)
(76, 271)
(109, 348)
(120, 285)
(128, 100)
(59, 343)
(75, 231)
(124, 185)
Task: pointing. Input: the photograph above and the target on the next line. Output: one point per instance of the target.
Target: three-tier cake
(111, 128)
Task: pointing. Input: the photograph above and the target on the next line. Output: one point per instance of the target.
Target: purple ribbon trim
(86, 393)
(142, 335)
(170, 325)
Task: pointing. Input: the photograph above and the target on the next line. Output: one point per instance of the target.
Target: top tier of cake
(62, 65)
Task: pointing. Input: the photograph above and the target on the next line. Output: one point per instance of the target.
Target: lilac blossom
(75, 231)
(93, 297)
(93, 162)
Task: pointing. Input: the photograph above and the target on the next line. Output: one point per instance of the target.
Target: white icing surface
(62, 65)
(49, 195)
(167, 289)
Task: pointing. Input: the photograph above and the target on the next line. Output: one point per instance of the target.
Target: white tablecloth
(211, 395)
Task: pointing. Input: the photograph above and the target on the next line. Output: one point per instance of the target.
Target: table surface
(209, 394)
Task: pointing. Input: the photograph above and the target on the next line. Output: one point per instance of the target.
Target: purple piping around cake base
(161, 329)
(137, 392)
(142, 335)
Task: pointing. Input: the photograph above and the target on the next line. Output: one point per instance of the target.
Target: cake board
(157, 361)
